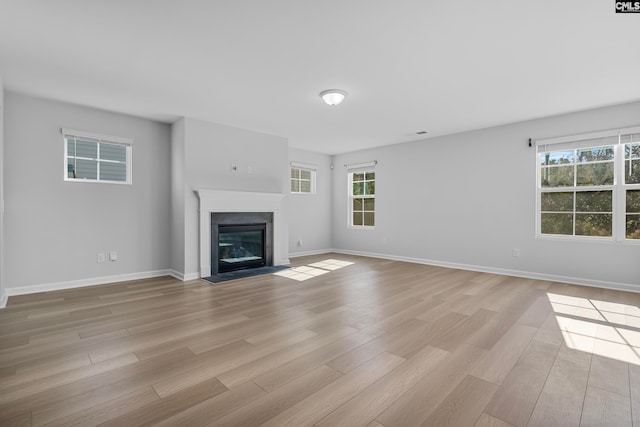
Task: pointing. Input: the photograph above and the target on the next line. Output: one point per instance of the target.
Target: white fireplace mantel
(214, 201)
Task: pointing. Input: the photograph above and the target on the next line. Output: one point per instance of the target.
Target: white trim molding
(307, 166)
(98, 136)
(184, 277)
(586, 136)
(361, 166)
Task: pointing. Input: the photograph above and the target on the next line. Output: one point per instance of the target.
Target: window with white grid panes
(362, 198)
(302, 180)
(95, 158)
(589, 187)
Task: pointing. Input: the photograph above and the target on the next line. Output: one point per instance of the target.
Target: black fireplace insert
(241, 246)
(241, 240)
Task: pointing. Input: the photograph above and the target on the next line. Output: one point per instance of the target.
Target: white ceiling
(408, 65)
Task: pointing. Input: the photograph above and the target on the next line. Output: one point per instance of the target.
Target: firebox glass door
(240, 247)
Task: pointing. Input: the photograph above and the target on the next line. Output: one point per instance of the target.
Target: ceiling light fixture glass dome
(333, 96)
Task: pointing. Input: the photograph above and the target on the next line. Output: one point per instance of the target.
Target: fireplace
(223, 202)
(241, 240)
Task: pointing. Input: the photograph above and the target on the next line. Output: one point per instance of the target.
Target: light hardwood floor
(359, 342)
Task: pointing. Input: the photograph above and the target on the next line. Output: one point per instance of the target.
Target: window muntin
(631, 158)
(632, 218)
(632, 184)
(96, 159)
(362, 185)
(587, 186)
(577, 213)
(579, 167)
(302, 180)
(557, 168)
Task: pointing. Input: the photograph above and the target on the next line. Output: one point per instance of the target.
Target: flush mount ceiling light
(333, 96)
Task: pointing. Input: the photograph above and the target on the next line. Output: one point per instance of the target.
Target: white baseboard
(176, 274)
(191, 276)
(48, 287)
(308, 253)
(184, 277)
(502, 271)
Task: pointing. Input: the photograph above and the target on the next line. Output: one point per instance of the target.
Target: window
(362, 196)
(589, 186)
(96, 158)
(303, 178)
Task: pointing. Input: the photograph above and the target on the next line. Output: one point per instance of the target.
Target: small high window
(303, 178)
(92, 157)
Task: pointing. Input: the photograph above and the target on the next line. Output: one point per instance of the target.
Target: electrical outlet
(113, 256)
(515, 252)
(100, 257)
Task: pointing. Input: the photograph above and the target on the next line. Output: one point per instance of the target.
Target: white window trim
(307, 167)
(101, 138)
(355, 168)
(618, 188)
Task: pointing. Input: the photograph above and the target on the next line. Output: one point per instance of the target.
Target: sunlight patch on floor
(310, 271)
(331, 264)
(301, 273)
(599, 327)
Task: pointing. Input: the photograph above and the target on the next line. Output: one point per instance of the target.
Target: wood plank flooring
(336, 341)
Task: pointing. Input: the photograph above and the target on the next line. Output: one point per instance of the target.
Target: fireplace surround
(219, 201)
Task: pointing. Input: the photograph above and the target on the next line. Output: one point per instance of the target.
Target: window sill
(587, 239)
(95, 181)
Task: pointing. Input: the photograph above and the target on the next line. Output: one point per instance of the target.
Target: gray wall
(209, 150)
(54, 229)
(467, 200)
(310, 214)
(2, 292)
(462, 200)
